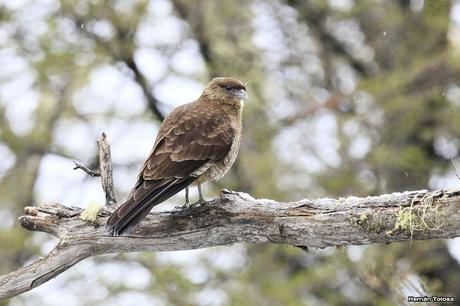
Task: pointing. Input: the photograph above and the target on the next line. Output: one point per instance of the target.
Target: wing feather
(190, 134)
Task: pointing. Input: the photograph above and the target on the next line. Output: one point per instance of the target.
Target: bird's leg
(187, 202)
(201, 198)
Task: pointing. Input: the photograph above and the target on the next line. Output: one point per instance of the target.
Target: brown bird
(197, 143)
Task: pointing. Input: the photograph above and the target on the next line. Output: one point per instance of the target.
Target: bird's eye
(228, 87)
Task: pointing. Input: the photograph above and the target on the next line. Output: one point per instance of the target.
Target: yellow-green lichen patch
(368, 223)
(424, 216)
(90, 212)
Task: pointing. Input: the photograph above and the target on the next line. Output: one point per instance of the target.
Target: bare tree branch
(57, 261)
(105, 164)
(316, 20)
(106, 171)
(152, 101)
(331, 103)
(237, 217)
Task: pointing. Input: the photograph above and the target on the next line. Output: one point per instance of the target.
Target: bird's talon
(195, 204)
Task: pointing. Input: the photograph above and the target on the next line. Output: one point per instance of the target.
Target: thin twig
(89, 171)
(453, 167)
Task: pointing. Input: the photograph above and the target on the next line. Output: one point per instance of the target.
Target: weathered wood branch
(105, 172)
(237, 217)
(65, 254)
(105, 165)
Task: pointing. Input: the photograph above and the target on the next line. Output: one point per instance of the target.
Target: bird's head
(226, 90)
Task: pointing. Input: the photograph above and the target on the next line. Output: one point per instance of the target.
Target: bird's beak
(241, 94)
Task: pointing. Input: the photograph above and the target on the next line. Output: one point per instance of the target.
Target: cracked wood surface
(237, 217)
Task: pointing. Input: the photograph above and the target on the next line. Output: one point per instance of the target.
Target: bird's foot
(186, 205)
(195, 204)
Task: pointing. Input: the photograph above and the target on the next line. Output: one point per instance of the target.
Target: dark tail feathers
(131, 213)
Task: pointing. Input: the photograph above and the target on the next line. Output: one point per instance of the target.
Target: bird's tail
(144, 197)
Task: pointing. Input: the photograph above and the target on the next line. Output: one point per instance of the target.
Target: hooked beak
(241, 94)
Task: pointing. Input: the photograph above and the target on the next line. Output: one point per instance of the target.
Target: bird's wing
(190, 137)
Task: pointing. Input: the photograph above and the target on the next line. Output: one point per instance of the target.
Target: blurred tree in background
(347, 97)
